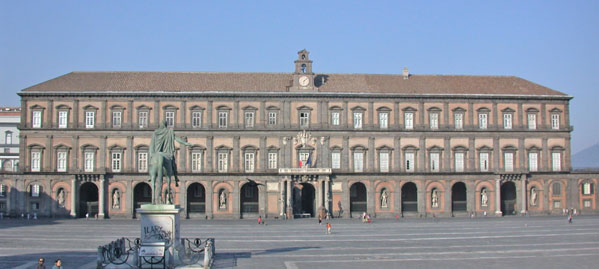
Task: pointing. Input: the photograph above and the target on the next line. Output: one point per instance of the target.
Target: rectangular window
(223, 163)
(196, 119)
(35, 190)
(482, 121)
(555, 121)
(116, 119)
(2, 190)
(143, 119)
(249, 162)
(409, 162)
(409, 120)
(435, 162)
(304, 119)
(556, 189)
(36, 159)
(249, 119)
(459, 162)
(434, 120)
(384, 120)
(586, 203)
(196, 162)
(532, 121)
(384, 161)
(557, 204)
(170, 118)
(61, 161)
(62, 119)
(36, 119)
(272, 160)
(272, 118)
(507, 121)
(116, 161)
(336, 160)
(223, 119)
(556, 161)
(8, 138)
(335, 118)
(458, 119)
(484, 161)
(358, 161)
(508, 161)
(357, 120)
(88, 162)
(587, 188)
(142, 162)
(90, 119)
(533, 161)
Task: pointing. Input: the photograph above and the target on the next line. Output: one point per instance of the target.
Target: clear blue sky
(553, 43)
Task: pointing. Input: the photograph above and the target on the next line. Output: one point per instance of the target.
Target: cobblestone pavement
(509, 242)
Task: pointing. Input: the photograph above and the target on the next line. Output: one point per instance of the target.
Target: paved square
(510, 242)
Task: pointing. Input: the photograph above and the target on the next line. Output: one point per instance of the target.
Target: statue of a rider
(162, 160)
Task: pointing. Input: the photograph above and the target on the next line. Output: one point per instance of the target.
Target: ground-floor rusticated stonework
(305, 193)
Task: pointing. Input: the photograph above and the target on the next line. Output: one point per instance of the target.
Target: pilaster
(498, 212)
(74, 193)
(236, 154)
(209, 117)
(101, 198)
(209, 199)
(371, 152)
(396, 154)
(209, 153)
(129, 164)
(130, 113)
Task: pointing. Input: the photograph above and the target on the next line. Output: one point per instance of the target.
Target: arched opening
(357, 198)
(196, 199)
(249, 199)
(7, 166)
(88, 200)
(409, 197)
(508, 198)
(304, 195)
(142, 194)
(458, 197)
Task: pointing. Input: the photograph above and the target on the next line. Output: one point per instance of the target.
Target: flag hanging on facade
(309, 161)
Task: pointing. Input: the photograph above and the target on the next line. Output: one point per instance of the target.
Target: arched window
(303, 68)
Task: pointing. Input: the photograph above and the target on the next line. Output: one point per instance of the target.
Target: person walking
(570, 218)
(319, 220)
(57, 264)
(328, 228)
(259, 219)
(40, 264)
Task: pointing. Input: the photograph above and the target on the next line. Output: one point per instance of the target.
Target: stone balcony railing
(305, 171)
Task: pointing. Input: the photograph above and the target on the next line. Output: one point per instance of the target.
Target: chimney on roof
(406, 73)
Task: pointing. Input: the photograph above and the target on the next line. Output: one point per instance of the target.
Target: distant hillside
(587, 158)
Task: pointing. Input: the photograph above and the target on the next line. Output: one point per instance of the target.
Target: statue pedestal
(160, 223)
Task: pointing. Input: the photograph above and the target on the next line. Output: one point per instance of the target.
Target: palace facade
(296, 144)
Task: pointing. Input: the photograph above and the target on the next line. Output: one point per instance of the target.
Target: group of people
(366, 218)
(41, 265)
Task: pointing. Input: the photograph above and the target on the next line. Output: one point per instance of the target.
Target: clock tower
(303, 78)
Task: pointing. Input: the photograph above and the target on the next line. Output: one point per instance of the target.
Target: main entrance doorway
(458, 197)
(508, 198)
(357, 199)
(88, 200)
(304, 195)
(409, 197)
(142, 194)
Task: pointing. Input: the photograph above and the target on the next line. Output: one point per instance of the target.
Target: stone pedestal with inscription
(160, 223)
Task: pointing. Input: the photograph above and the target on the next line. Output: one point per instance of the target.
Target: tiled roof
(280, 82)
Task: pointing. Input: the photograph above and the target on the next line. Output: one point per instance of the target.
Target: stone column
(446, 122)
(523, 194)
(447, 155)
(183, 110)
(397, 198)
(318, 195)
(542, 125)
(235, 124)
(262, 202)
(282, 197)
(74, 198)
(75, 116)
(396, 154)
(370, 198)
(345, 199)
(236, 152)
(156, 116)
(471, 120)
(421, 113)
(103, 115)
(421, 199)
(448, 200)
(471, 153)
(498, 212)
(521, 118)
(130, 160)
(545, 162)
(289, 195)
(345, 116)
(327, 194)
(101, 196)
(209, 115)
(371, 124)
(470, 197)
(263, 163)
(421, 163)
(47, 161)
(236, 204)
(521, 155)
(371, 152)
(345, 154)
(209, 151)
(495, 117)
(262, 122)
(50, 114)
(102, 155)
(209, 199)
(496, 154)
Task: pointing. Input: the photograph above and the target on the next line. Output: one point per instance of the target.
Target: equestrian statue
(162, 162)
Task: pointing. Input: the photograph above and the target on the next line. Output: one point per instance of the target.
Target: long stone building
(297, 144)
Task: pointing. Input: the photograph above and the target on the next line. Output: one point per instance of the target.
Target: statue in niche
(61, 198)
(533, 196)
(484, 197)
(384, 199)
(222, 200)
(116, 199)
(435, 198)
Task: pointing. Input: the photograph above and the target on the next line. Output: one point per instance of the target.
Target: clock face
(304, 81)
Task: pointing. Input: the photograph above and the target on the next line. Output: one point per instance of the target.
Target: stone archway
(249, 200)
(142, 194)
(304, 195)
(88, 200)
(458, 197)
(508, 198)
(357, 198)
(196, 199)
(409, 197)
